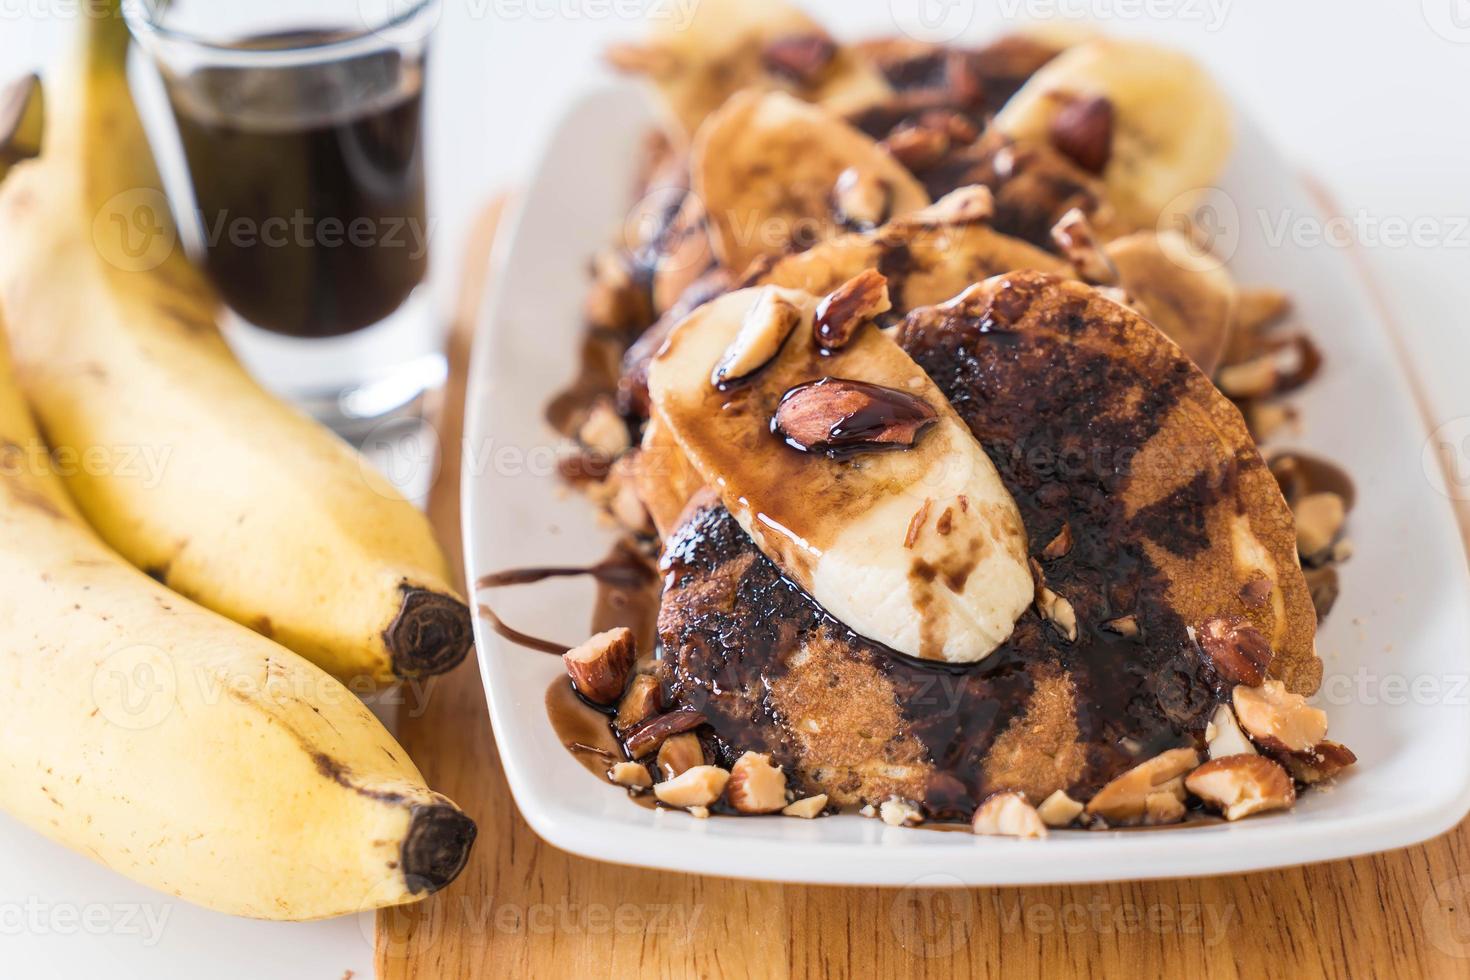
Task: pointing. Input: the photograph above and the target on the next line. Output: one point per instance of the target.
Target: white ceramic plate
(1396, 648)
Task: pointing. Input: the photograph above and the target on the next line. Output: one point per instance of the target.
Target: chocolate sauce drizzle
(621, 576)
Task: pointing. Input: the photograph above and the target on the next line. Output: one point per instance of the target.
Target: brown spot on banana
(430, 634)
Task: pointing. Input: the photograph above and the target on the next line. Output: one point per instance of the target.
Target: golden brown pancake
(1097, 424)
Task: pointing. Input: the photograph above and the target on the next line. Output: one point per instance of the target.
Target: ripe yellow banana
(1171, 125)
(22, 116)
(181, 749)
(179, 460)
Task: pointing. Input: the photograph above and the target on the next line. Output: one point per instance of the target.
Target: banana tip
(430, 635)
(437, 846)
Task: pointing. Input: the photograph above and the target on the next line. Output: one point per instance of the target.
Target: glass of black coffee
(299, 127)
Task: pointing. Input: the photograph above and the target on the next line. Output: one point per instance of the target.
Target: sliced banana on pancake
(847, 467)
(777, 174)
(1149, 120)
(926, 257)
(1113, 442)
(1192, 302)
(696, 61)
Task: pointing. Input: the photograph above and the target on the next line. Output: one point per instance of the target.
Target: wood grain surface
(522, 908)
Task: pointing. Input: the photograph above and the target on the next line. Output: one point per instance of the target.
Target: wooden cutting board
(523, 908)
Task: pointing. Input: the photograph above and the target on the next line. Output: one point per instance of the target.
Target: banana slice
(919, 547)
(925, 263)
(768, 167)
(698, 60)
(1192, 301)
(1170, 128)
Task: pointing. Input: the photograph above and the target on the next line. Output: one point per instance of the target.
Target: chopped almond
(1059, 809)
(1008, 815)
(699, 786)
(1274, 716)
(807, 808)
(1240, 785)
(756, 786)
(630, 774)
(1125, 800)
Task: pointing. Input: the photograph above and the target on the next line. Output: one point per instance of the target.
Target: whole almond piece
(843, 418)
(599, 668)
(1083, 132)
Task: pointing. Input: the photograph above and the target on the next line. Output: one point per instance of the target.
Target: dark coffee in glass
(310, 196)
(298, 182)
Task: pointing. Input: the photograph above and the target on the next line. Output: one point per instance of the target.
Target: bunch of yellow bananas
(230, 766)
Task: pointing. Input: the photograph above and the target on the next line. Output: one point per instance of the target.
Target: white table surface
(1369, 96)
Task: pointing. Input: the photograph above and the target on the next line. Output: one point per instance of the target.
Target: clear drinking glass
(301, 191)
